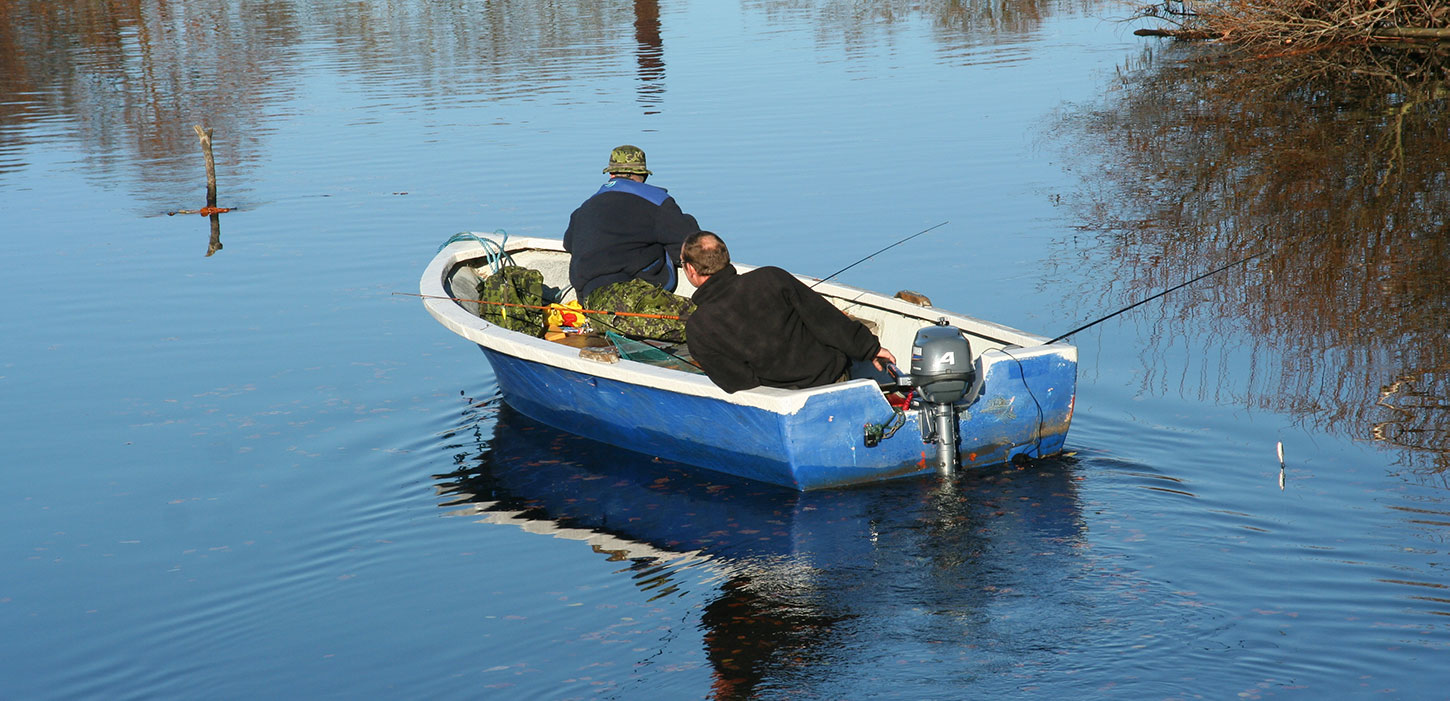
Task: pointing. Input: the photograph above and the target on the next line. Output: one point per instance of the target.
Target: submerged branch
(1412, 33)
(1261, 26)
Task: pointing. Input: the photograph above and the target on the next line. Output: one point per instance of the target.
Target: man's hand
(885, 355)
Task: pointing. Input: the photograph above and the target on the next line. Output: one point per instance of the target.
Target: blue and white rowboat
(1020, 405)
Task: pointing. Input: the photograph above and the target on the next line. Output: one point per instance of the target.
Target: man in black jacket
(766, 327)
(622, 241)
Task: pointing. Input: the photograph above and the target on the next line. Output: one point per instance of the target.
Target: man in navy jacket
(765, 327)
(628, 231)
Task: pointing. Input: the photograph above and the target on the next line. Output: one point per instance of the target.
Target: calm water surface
(239, 466)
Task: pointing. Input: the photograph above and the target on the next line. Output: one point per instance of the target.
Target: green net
(675, 357)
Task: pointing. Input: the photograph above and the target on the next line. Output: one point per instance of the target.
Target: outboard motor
(941, 373)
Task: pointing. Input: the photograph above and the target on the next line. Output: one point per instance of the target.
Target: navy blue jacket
(626, 230)
(767, 328)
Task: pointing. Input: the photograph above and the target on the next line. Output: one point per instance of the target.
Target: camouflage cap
(628, 160)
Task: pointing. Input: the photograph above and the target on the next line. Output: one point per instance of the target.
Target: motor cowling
(941, 364)
(942, 372)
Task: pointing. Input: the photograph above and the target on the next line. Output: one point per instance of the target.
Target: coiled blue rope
(494, 250)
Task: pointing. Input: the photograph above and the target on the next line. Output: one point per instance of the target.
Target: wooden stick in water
(210, 210)
(205, 136)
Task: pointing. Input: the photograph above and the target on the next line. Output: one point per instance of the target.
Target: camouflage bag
(638, 296)
(507, 289)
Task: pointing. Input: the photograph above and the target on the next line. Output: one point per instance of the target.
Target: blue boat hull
(820, 446)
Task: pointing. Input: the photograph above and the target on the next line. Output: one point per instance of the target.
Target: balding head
(705, 252)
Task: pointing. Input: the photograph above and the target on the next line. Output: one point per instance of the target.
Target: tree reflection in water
(649, 54)
(1340, 178)
(792, 573)
(134, 75)
(958, 26)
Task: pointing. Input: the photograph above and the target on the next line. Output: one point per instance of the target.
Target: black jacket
(625, 231)
(767, 328)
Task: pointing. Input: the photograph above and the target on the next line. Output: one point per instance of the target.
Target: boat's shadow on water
(921, 559)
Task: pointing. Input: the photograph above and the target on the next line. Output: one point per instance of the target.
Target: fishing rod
(1160, 294)
(873, 255)
(599, 312)
(545, 307)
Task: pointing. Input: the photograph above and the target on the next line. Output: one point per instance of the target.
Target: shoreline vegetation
(1282, 28)
(1396, 49)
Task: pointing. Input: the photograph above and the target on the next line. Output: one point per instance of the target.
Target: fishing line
(1160, 294)
(873, 255)
(1023, 372)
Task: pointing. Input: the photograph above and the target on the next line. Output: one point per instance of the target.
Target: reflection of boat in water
(643, 507)
(921, 559)
(637, 507)
(989, 395)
